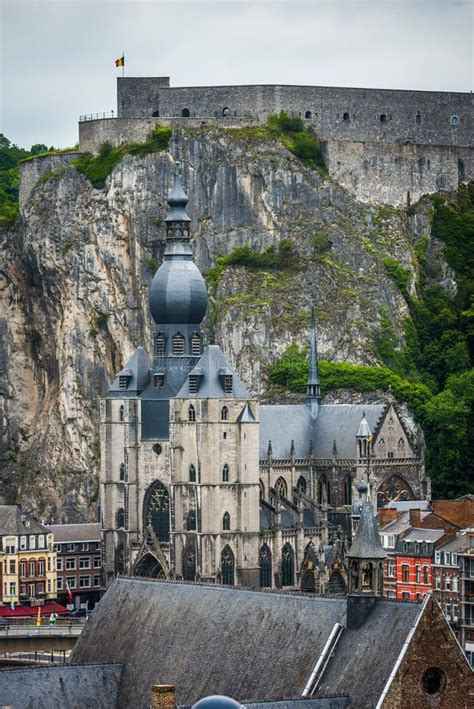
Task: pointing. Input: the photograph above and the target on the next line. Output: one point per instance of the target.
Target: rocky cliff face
(76, 272)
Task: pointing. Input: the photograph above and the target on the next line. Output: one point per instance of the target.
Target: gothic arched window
(227, 566)
(226, 522)
(401, 448)
(301, 484)
(121, 413)
(224, 413)
(225, 474)
(122, 471)
(120, 518)
(287, 565)
(281, 488)
(157, 511)
(192, 474)
(177, 344)
(191, 521)
(347, 491)
(265, 560)
(261, 487)
(189, 564)
(191, 413)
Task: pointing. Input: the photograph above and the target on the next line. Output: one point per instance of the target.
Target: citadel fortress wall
(383, 145)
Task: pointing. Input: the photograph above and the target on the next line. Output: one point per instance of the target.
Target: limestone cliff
(75, 276)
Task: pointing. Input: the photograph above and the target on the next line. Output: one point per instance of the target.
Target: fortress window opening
(155, 114)
(225, 111)
(454, 120)
(418, 118)
(185, 113)
(383, 118)
(346, 117)
(308, 115)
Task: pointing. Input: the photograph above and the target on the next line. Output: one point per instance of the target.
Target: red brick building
(447, 578)
(414, 554)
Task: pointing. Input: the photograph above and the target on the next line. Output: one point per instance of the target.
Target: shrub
(270, 259)
(400, 275)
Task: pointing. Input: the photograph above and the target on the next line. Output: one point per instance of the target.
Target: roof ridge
(276, 591)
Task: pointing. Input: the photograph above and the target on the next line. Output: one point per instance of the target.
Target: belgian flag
(121, 61)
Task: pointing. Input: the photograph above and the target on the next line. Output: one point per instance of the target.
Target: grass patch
(98, 168)
(400, 275)
(271, 259)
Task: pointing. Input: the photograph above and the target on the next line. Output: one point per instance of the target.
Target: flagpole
(123, 65)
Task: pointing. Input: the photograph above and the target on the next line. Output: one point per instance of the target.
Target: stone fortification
(387, 146)
(373, 115)
(31, 171)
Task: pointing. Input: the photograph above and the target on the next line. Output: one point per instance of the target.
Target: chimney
(163, 696)
(415, 518)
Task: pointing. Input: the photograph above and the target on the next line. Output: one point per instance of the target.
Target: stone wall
(32, 170)
(395, 173)
(375, 115)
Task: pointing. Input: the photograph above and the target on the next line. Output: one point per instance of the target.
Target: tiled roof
(87, 532)
(423, 535)
(211, 367)
(12, 521)
(138, 370)
(62, 687)
(220, 640)
(334, 422)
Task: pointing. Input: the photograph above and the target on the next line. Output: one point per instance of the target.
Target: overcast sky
(57, 58)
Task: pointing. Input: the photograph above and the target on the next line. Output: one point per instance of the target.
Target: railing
(96, 116)
(44, 657)
(31, 631)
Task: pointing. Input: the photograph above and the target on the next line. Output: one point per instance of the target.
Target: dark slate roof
(220, 640)
(62, 687)
(207, 640)
(86, 532)
(318, 703)
(334, 422)
(364, 658)
(138, 369)
(366, 543)
(12, 521)
(403, 505)
(211, 367)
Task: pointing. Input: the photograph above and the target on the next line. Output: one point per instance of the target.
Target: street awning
(32, 611)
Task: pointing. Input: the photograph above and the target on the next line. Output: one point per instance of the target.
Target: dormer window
(177, 344)
(195, 344)
(123, 381)
(193, 383)
(228, 383)
(158, 380)
(160, 343)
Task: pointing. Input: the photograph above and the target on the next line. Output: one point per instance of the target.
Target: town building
(414, 553)
(28, 559)
(447, 578)
(466, 567)
(200, 481)
(169, 643)
(78, 563)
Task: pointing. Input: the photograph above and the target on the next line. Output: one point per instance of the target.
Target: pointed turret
(313, 389)
(366, 562)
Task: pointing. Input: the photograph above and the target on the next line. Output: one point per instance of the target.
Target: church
(202, 483)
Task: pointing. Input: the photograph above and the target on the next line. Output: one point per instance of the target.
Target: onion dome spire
(178, 294)
(313, 388)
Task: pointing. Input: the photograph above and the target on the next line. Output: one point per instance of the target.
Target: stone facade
(374, 115)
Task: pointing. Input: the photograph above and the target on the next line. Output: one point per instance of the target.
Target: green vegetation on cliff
(433, 374)
(98, 168)
(269, 260)
(10, 156)
(298, 138)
